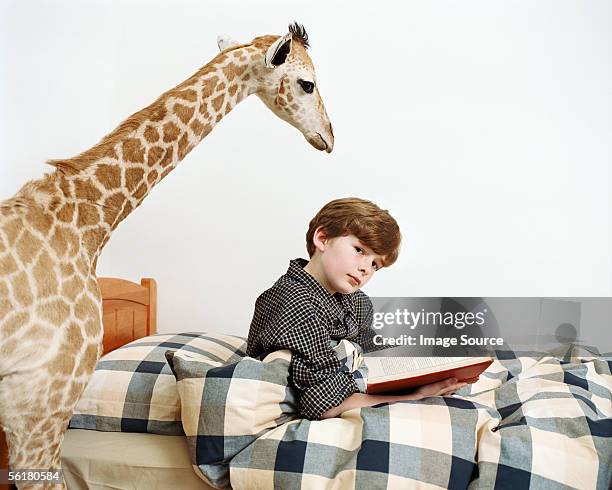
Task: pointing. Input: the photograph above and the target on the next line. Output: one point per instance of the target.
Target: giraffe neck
(106, 183)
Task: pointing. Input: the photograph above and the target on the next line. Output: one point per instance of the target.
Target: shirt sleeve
(314, 370)
(365, 337)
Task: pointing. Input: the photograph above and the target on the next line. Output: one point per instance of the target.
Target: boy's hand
(440, 388)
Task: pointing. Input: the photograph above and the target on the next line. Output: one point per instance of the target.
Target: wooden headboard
(129, 312)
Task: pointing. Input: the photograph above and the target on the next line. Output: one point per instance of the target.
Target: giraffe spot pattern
(218, 102)
(39, 220)
(184, 113)
(133, 176)
(109, 176)
(64, 362)
(133, 151)
(21, 289)
(5, 307)
(12, 229)
(84, 189)
(166, 172)
(183, 146)
(151, 134)
(64, 185)
(167, 160)
(27, 247)
(7, 265)
(82, 266)
(55, 311)
(188, 95)
(171, 132)
(87, 215)
(72, 288)
(158, 113)
(208, 87)
(152, 177)
(231, 71)
(154, 155)
(92, 239)
(75, 393)
(196, 126)
(141, 191)
(92, 352)
(14, 322)
(44, 276)
(204, 111)
(86, 308)
(59, 242)
(207, 129)
(127, 209)
(67, 269)
(112, 207)
(66, 213)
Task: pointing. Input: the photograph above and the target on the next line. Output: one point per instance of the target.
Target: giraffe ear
(225, 42)
(278, 52)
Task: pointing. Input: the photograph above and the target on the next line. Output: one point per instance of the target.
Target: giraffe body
(53, 230)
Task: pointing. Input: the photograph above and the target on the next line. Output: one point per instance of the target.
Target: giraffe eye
(308, 87)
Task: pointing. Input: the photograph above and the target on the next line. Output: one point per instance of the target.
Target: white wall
(483, 126)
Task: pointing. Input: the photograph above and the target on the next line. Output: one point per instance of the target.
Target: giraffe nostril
(331, 131)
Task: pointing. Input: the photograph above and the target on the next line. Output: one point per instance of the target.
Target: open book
(399, 374)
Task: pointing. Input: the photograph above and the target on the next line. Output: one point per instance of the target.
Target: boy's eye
(375, 265)
(359, 250)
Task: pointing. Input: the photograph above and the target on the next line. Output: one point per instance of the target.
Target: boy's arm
(365, 314)
(361, 400)
(319, 381)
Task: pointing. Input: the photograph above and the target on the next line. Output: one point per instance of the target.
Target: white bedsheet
(114, 460)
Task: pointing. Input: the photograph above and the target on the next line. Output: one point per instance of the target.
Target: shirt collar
(296, 270)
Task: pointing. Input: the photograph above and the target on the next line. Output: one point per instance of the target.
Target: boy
(320, 300)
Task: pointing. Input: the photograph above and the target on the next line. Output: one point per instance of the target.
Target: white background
(483, 126)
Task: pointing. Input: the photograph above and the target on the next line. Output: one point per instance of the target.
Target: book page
(388, 366)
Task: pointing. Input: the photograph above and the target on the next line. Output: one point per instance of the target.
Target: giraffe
(54, 229)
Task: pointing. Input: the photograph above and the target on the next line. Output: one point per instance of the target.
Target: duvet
(532, 420)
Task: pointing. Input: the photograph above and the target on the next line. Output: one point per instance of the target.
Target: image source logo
(475, 327)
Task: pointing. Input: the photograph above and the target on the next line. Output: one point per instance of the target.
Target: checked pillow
(226, 407)
(133, 389)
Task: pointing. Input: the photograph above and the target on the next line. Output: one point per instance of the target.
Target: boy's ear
(319, 238)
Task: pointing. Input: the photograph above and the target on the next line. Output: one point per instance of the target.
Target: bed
(532, 420)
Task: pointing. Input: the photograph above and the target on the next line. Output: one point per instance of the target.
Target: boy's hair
(375, 227)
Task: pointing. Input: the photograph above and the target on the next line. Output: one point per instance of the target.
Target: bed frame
(129, 312)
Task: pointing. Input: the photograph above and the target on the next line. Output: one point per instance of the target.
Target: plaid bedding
(133, 390)
(531, 421)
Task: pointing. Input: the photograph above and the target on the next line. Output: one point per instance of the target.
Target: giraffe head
(287, 84)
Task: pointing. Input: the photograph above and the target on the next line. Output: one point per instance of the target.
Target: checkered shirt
(298, 313)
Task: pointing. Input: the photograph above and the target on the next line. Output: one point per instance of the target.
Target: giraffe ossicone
(54, 229)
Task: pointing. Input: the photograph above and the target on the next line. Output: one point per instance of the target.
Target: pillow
(225, 407)
(133, 390)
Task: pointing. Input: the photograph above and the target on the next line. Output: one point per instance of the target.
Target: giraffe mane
(106, 147)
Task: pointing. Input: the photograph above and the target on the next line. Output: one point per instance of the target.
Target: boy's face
(347, 264)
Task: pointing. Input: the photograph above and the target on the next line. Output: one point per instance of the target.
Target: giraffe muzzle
(320, 143)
